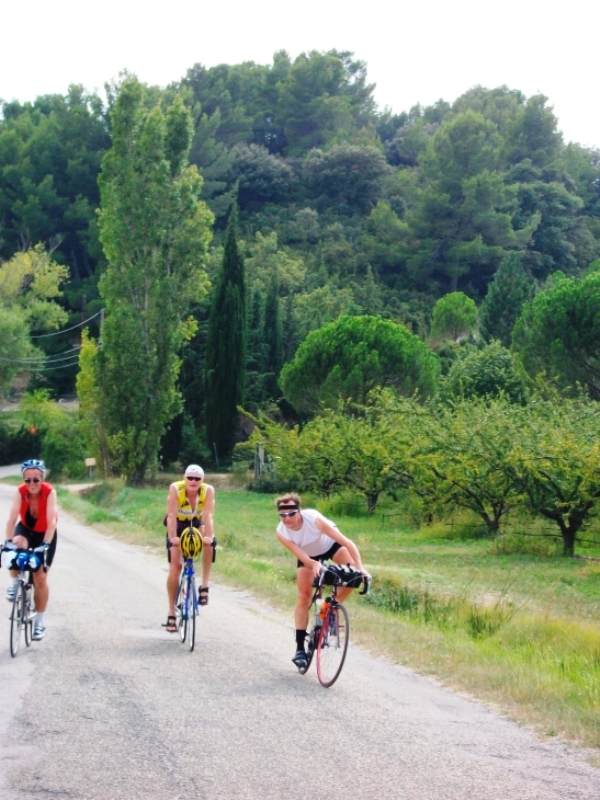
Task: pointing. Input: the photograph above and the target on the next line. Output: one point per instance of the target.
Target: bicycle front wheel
(181, 610)
(191, 623)
(28, 614)
(332, 645)
(17, 619)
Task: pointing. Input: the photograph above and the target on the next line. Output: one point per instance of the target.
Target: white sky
(416, 52)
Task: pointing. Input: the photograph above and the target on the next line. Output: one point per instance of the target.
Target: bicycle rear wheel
(181, 610)
(17, 619)
(332, 645)
(191, 623)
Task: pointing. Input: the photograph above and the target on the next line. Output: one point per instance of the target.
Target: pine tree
(226, 349)
(506, 294)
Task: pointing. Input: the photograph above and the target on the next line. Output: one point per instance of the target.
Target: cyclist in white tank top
(313, 539)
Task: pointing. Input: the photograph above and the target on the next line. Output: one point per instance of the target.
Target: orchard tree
(155, 233)
(461, 460)
(226, 344)
(349, 358)
(555, 462)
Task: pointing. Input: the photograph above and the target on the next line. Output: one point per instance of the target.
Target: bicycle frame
(328, 634)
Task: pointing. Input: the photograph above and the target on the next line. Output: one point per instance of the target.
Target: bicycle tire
(180, 611)
(17, 619)
(332, 645)
(28, 614)
(191, 601)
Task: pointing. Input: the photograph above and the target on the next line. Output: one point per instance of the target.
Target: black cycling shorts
(35, 539)
(325, 557)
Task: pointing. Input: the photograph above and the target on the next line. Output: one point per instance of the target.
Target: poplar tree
(155, 233)
(226, 343)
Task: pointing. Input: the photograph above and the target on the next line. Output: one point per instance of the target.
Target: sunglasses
(287, 513)
(32, 480)
(193, 478)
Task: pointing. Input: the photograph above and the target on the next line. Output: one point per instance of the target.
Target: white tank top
(309, 538)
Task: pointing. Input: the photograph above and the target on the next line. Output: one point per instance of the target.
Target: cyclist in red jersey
(32, 522)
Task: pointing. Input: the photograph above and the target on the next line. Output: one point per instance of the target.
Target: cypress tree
(506, 294)
(226, 349)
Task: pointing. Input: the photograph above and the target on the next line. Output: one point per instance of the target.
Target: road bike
(330, 634)
(187, 605)
(23, 607)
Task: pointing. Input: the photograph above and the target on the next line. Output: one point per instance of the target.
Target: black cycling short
(325, 557)
(35, 539)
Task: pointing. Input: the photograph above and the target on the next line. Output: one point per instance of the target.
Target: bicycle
(22, 614)
(186, 604)
(330, 633)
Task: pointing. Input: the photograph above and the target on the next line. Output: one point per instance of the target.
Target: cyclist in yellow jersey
(189, 500)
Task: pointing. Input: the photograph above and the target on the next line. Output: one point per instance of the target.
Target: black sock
(300, 637)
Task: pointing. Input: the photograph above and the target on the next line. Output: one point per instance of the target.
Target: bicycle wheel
(17, 619)
(181, 610)
(191, 623)
(28, 614)
(332, 645)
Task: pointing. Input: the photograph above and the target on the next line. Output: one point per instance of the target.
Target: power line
(31, 362)
(66, 330)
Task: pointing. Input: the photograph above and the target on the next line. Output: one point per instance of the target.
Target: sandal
(170, 625)
(203, 596)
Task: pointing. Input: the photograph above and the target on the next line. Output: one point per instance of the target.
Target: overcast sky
(415, 52)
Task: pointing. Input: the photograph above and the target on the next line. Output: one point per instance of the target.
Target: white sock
(39, 619)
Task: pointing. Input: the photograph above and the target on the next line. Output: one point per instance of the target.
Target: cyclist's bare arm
(172, 507)
(13, 515)
(335, 534)
(208, 513)
(308, 562)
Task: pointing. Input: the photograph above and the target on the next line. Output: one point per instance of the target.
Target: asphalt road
(110, 706)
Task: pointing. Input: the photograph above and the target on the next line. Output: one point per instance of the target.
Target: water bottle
(318, 618)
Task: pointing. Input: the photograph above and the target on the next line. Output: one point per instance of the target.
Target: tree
(490, 372)
(462, 225)
(155, 233)
(558, 332)
(453, 317)
(555, 462)
(461, 460)
(348, 358)
(226, 348)
(349, 177)
(505, 296)
(30, 283)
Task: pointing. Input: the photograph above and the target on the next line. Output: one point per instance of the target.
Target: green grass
(514, 624)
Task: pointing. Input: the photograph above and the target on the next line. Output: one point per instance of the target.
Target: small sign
(90, 462)
(33, 430)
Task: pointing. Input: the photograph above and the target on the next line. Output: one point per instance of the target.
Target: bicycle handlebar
(319, 581)
(16, 550)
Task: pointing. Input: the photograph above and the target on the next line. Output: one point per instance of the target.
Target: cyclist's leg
(304, 581)
(207, 556)
(175, 567)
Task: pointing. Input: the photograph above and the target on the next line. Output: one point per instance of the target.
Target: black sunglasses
(193, 478)
(32, 480)
(287, 513)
